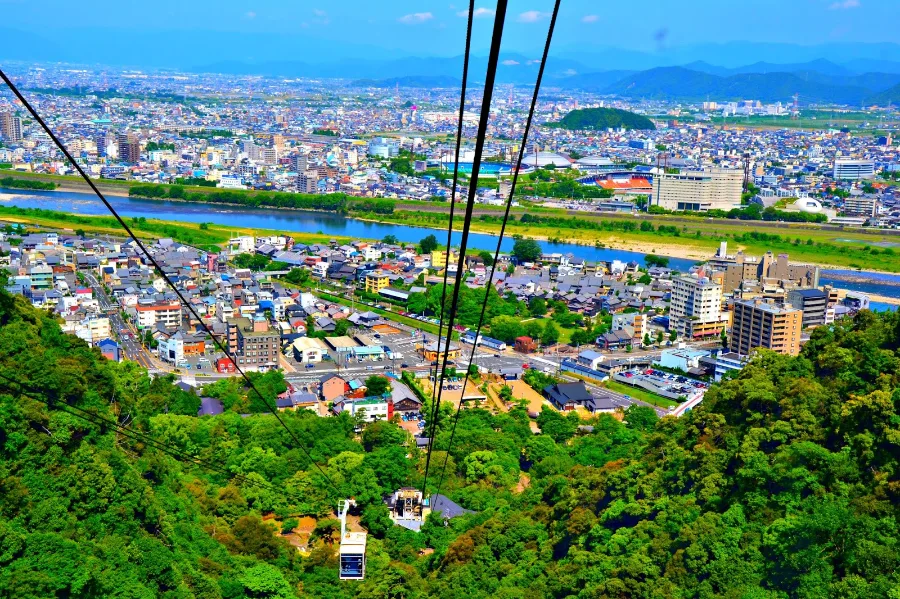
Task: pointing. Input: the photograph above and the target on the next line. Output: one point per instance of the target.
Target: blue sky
(437, 26)
(313, 29)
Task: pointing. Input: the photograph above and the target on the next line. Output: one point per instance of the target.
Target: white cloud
(319, 12)
(416, 18)
(510, 62)
(533, 16)
(251, 15)
(480, 13)
(844, 4)
(590, 19)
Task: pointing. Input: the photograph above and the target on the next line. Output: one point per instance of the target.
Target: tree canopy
(783, 483)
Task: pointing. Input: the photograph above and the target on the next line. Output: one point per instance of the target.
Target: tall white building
(695, 311)
(845, 168)
(699, 191)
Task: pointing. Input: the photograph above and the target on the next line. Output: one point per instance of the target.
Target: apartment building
(699, 191)
(10, 127)
(149, 314)
(758, 324)
(696, 308)
(376, 281)
(252, 343)
(308, 181)
(812, 302)
(634, 324)
(129, 148)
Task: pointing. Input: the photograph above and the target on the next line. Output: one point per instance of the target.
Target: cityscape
(353, 330)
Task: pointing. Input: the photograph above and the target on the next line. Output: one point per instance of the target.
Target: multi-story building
(129, 148)
(813, 303)
(10, 127)
(376, 281)
(696, 308)
(308, 181)
(635, 324)
(740, 267)
(758, 324)
(149, 314)
(699, 191)
(861, 205)
(845, 168)
(252, 343)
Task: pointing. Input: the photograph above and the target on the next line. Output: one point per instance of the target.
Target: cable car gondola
(352, 548)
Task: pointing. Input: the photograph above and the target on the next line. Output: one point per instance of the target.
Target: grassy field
(699, 238)
(812, 120)
(641, 394)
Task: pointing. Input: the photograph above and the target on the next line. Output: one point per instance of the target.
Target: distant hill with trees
(603, 118)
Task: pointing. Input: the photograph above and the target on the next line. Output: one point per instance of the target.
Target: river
(301, 221)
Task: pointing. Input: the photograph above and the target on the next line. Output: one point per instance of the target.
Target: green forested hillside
(603, 118)
(784, 483)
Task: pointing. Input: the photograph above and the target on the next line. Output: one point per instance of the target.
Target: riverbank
(601, 236)
(206, 236)
(883, 299)
(693, 244)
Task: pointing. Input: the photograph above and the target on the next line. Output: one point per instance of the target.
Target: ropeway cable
(490, 76)
(459, 132)
(487, 287)
(159, 269)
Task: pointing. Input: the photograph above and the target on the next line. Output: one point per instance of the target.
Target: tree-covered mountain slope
(783, 483)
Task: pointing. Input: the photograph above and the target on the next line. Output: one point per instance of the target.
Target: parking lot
(672, 386)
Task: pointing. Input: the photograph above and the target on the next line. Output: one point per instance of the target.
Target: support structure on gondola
(352, 548)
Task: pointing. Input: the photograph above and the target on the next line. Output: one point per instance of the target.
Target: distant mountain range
(844, 73)
(818, 81)
(680, 83)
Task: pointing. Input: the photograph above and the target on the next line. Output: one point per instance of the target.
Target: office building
(10, 127)
(854, 169)
(252, 343)
(129, 148)
(862, 205)
(696, 308)
(813, 303)
(699, 191)
(758, 324)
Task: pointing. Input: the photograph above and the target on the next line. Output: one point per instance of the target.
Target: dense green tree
(377, 385)
(550, 334)
(526, 250)
(427, 245)
(537, 307)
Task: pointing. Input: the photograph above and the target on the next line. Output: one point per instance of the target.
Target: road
(122, 331)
